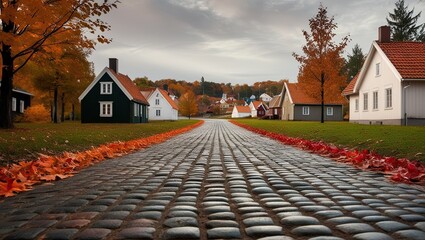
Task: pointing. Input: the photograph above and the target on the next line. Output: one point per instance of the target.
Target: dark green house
(113, 98)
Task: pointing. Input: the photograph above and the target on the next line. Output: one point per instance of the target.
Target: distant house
(113, 98)
(275, 108)
(241, 112)
(390, 88)
(253, 105)
(265, 97)
(162, 106)
(262, 110)
(21, 100)
(299, 106)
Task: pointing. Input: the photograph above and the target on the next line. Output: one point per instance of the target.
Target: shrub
(36, 113)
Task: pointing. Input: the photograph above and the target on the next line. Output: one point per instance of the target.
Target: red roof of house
(130, 87)
(299, 96)
(243, 109)
(169, 100)
(407, 57)
(256, 104)
(350, 87)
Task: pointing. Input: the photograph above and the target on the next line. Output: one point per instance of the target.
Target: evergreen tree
(403, 24)
(354, 62)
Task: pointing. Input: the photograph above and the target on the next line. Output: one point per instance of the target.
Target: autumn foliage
(22, 176)
(36, 113)
(399, 170)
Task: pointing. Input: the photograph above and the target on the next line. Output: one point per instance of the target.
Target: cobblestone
(217, 182)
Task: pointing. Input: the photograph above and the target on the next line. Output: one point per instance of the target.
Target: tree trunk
(73, 112)
(322, 95)
(63, 107)
(6, 88)
(55, 104)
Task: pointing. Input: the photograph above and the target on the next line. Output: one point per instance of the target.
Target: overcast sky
(236, 41)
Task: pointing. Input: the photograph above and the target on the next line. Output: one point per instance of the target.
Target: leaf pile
(20, 177)
(399, 169)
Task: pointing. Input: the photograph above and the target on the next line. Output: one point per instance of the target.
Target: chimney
(113, 64)
(384, 34)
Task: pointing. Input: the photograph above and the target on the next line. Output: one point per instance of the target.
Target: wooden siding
(315, 111)
(415, 99)
(122, 109)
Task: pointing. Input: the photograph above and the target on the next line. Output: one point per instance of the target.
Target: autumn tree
(321, 63)
(354, 62)
(403, 24)
(29, 26)
(187, 104)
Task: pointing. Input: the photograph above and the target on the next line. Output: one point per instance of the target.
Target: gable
(123, 82)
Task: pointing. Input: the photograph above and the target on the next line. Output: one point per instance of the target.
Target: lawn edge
(22, 176)
(398, 169)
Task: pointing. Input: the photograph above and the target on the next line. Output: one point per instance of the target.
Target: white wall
(167, 112)
(354, 114)
(371, 83)
(253, 110)
(236, 114)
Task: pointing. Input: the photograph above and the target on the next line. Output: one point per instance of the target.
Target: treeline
(213, 89)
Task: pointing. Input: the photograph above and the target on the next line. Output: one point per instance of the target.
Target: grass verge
(27, 140)
(398, 141)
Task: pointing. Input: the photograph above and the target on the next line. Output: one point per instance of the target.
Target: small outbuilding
(241, 112)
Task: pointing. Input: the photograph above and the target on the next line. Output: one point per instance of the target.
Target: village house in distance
(161, 105)
(113, 98)
(390, 88)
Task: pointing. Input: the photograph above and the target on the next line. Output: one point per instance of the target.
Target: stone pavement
(218, 181)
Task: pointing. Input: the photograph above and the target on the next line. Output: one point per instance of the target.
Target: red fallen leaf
(11, 187)
(53, 177)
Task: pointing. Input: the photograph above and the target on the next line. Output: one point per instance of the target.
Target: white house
(390, 88)
(162, 106)
(265, 97)
(254, 106)
(241, 112)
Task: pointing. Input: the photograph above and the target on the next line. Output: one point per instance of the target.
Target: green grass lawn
(27, 140)
(397, 141)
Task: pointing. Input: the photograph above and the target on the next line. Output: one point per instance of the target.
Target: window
(306, 110)
(375, 100)
(105, 109)
(388, 98)
(377, 70)
(106, 88)
(330, 111)
(356, 105)
(158, 113)
(157, 101)
(21, 106)
(13, 104)
(136, 110)
(365, 101)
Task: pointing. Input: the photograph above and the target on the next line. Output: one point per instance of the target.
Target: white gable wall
(371, 83)
(253, 109)
(166, 111)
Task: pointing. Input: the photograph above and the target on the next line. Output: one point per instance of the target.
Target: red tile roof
(299, 96)
(168, 98)
(130, 87)
(256, 104)
(350, 87)
(243, 109)
(407, 57)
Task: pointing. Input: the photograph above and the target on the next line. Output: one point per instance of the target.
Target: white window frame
(106, 88)
(156, 101)
(106, 113)
(13, 104)
(375, 104)
(158, 113)
(329, 111)
(306, 110)
(378, 69)
(356, 105)
(365, 101)
(136, 109)
(21, 106)
(388, 98)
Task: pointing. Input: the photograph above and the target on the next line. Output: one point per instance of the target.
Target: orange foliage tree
(187, 104)
(320, 71)
(30, 25)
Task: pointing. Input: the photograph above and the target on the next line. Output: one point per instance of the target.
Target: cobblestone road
(218, 181)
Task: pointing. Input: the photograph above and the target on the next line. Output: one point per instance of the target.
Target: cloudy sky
(237, 41)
